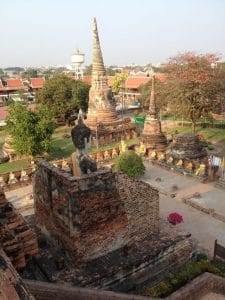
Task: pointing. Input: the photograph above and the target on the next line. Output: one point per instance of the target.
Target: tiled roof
(87, 79)
(4, 112)
(36, 83)
(110, 80)
(135, 82)
(14, 84)
(2, 88)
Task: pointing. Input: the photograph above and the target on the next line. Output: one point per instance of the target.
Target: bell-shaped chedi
(101, 107)
(187, 146)
(102, 117)
(152, 135)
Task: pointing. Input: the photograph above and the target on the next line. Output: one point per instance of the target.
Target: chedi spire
(152, 105)
(97, 59)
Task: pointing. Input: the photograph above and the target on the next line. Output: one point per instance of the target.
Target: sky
(46, 32)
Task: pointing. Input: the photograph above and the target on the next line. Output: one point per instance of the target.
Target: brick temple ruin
(102, 117)
(152, 135)
(109, 225)
(17, 238)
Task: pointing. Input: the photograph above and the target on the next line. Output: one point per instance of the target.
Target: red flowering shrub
(175, 218)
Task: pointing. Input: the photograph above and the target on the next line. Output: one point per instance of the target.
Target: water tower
(77, 59)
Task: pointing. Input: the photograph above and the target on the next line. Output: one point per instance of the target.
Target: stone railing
(194, 168)
(16, 179)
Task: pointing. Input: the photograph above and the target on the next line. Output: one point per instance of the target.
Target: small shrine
(152, 135)
(102, 117)
(187, 146)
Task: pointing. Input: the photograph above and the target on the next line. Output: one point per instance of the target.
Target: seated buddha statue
(162, 157)
(142, 149)
(114, 153)
(12, 178)
(201, 170)
(107, 155)
(170, 160)
(2, 181)
(179, 163)
(23, 175)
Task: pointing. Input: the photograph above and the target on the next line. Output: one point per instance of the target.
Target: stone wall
(142, 206)
(199, 287)
(46, 291)
(94, 214)
(16, 237)
(86, 213)
(11, 285)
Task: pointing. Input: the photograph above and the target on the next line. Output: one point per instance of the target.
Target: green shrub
(161, 289)
(130, 163)
(201, 256)
(189, 272)
(210, 147)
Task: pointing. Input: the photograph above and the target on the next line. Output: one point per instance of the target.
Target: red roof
(110, 80)
(2, 88)
(4, 111)
(87, 79)
(14, 84)
(37, 83)
(136, 81)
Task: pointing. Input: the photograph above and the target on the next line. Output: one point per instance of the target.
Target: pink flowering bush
(175, 218)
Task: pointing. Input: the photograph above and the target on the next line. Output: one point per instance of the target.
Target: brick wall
(96, 213)
(16, 236)
(142, 206)
(11, 285)
(86, 213)
(46, 291)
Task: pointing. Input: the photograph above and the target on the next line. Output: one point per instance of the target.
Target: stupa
(102, 117)
(187, 146)
(152, 135)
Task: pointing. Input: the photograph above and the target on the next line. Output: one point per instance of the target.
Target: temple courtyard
(173, 188)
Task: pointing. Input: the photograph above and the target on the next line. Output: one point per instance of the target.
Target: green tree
(56, 94)
(130, 163)
(80, 91)
(119, 82)
(62, 95)
(31, 131)
(30, 73)
(192, 86)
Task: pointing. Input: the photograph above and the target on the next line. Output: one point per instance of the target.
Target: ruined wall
(96, 213)
(11, 285)
(86, 213)
(142, 206)
(16, 237)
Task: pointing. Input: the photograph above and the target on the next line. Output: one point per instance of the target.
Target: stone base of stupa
(187, 146)
(100, 116)
(112, 131)
(152, 136)
(155, 142)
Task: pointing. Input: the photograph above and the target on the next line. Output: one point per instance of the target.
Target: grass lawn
(61, 148)
(13, 166)
(213, 135)
(2, 137)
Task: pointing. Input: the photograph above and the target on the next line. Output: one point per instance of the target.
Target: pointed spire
(97, 60)
(152, 105)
